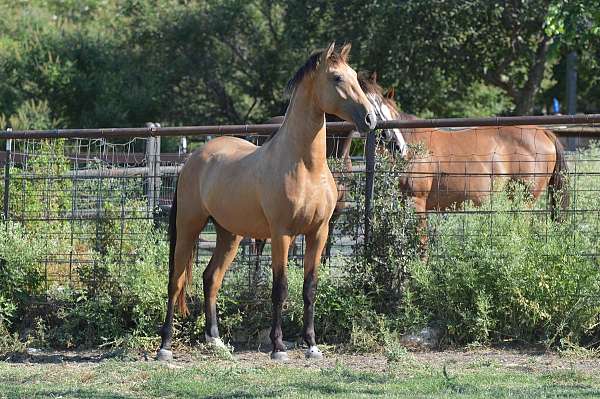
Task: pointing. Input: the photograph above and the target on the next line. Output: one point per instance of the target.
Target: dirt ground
(518, 360)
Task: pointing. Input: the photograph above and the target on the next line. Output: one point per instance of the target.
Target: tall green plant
(378, 267)
(503, 274)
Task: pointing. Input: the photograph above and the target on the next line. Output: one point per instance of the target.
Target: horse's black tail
(558, 194)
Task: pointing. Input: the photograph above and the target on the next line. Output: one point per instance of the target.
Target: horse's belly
(247, 225)
(235, 208)
(229, 193)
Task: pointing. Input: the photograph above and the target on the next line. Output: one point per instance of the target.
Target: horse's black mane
(309, 67)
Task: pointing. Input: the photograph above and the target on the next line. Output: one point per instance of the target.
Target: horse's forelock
(368, 85)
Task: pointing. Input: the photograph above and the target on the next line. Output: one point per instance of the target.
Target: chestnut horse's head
(335, 87)
(385, 109)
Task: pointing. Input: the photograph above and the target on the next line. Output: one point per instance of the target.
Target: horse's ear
(373, 77)
(327, 53)
(391, 93)
(345, 52)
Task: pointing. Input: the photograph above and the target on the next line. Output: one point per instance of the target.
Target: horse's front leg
(280, 245)
(315, 242)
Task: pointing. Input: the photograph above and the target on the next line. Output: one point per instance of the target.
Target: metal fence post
(571, 78)
(153, 177)
(370, 181)
(7, 177)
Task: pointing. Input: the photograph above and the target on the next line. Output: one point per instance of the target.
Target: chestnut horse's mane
(369, 85)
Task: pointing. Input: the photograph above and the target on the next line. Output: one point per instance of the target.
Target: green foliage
(121, 295)
(507, 275)
(378, 269)
(478, 100)
(95, 62)
(21, 274)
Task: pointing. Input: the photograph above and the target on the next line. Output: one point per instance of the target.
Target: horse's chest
(309, 201)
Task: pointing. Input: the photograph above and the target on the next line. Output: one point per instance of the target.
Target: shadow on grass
(19, 392)
(58, 357)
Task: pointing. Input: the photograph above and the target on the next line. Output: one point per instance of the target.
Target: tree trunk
(524, 100)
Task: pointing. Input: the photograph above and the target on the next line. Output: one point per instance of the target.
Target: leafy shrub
(21, 274)
(122, 295)
(509, 275)
(378, 266)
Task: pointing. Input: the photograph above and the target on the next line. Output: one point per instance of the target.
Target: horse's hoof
(280, 356)
(313, 353)
(164, 355)
(216, 342)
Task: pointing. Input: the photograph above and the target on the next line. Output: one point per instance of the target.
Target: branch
(254, 102)
(239, 55)
(224, 99)
(536, 73)
(269, 16)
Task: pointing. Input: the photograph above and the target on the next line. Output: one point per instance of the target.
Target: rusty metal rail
(333, 128)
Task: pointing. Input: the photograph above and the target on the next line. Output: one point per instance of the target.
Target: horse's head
(335, 87)
(385, 109)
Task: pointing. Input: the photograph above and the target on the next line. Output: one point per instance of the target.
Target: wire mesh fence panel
(94, 205)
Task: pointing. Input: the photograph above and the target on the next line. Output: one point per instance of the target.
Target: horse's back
(463, 165)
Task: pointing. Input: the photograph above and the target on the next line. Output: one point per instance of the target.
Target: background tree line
(103, 63)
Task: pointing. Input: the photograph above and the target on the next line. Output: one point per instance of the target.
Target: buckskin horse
(279, 190)
(462, 165)
(338, 147)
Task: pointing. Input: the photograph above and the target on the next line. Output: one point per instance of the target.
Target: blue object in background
(555, 106)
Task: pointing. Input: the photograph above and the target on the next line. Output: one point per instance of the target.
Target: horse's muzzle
(371, 120)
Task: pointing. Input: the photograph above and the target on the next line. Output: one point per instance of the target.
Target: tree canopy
(101, 63)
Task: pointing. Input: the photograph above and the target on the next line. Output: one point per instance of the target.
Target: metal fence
(97, 194)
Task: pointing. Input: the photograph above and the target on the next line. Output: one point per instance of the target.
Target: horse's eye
(337, 78)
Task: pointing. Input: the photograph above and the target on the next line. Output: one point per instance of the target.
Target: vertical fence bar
(150, 151)
(369, 181)
(153, 177)
(7, 177)
(157, 180)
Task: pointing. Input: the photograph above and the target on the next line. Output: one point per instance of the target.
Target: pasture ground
(480, 373)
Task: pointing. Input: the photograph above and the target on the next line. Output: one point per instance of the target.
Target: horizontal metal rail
(333, 128)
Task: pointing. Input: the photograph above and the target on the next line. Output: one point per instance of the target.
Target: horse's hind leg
(280, 245)
(187, 234)
(223, 255)
(329, 243)
(259, 247)
(421, 211)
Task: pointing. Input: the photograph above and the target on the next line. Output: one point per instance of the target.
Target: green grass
(409, 377)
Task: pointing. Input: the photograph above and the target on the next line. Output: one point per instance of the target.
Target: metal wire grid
(89, 198)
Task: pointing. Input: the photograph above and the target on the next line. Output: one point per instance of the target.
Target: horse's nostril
(371, 120)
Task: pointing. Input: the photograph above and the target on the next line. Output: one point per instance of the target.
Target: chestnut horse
(279, 190)
(462, 165)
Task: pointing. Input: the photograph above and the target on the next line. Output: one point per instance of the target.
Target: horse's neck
(302, 134)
